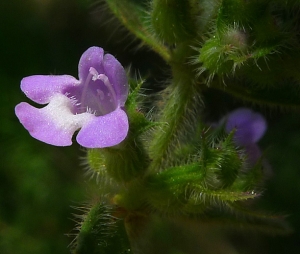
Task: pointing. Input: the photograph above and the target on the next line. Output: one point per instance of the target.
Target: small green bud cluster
(222, 53)
(213, 178)
(246, 34)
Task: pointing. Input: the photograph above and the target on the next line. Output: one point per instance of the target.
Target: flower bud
(236, 38)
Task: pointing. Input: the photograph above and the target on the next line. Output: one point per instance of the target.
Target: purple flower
(94, 103)
(249, 128)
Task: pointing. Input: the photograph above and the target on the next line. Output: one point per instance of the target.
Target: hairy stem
(180, 118)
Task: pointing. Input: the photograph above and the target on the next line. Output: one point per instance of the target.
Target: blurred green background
(39, 183)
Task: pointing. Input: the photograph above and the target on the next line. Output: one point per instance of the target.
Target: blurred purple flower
(94, 103)
(249, 128)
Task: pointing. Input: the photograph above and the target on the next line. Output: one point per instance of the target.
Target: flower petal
(41, 88)
(117, 76)
(104, 131)
(250, 126)
(92, 57)
(54, 124)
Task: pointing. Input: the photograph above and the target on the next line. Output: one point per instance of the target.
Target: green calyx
(101, 232)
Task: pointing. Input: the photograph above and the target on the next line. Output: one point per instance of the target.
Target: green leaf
(135, 17)
(184, 189)
(252, 179)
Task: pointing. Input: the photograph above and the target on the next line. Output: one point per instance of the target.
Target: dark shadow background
(39, 183)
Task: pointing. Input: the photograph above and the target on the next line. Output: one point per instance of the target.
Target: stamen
(109, 86)
(105, 80)
(92, 74)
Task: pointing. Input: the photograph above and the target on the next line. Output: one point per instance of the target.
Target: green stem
(180, 118)
(134, 18)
